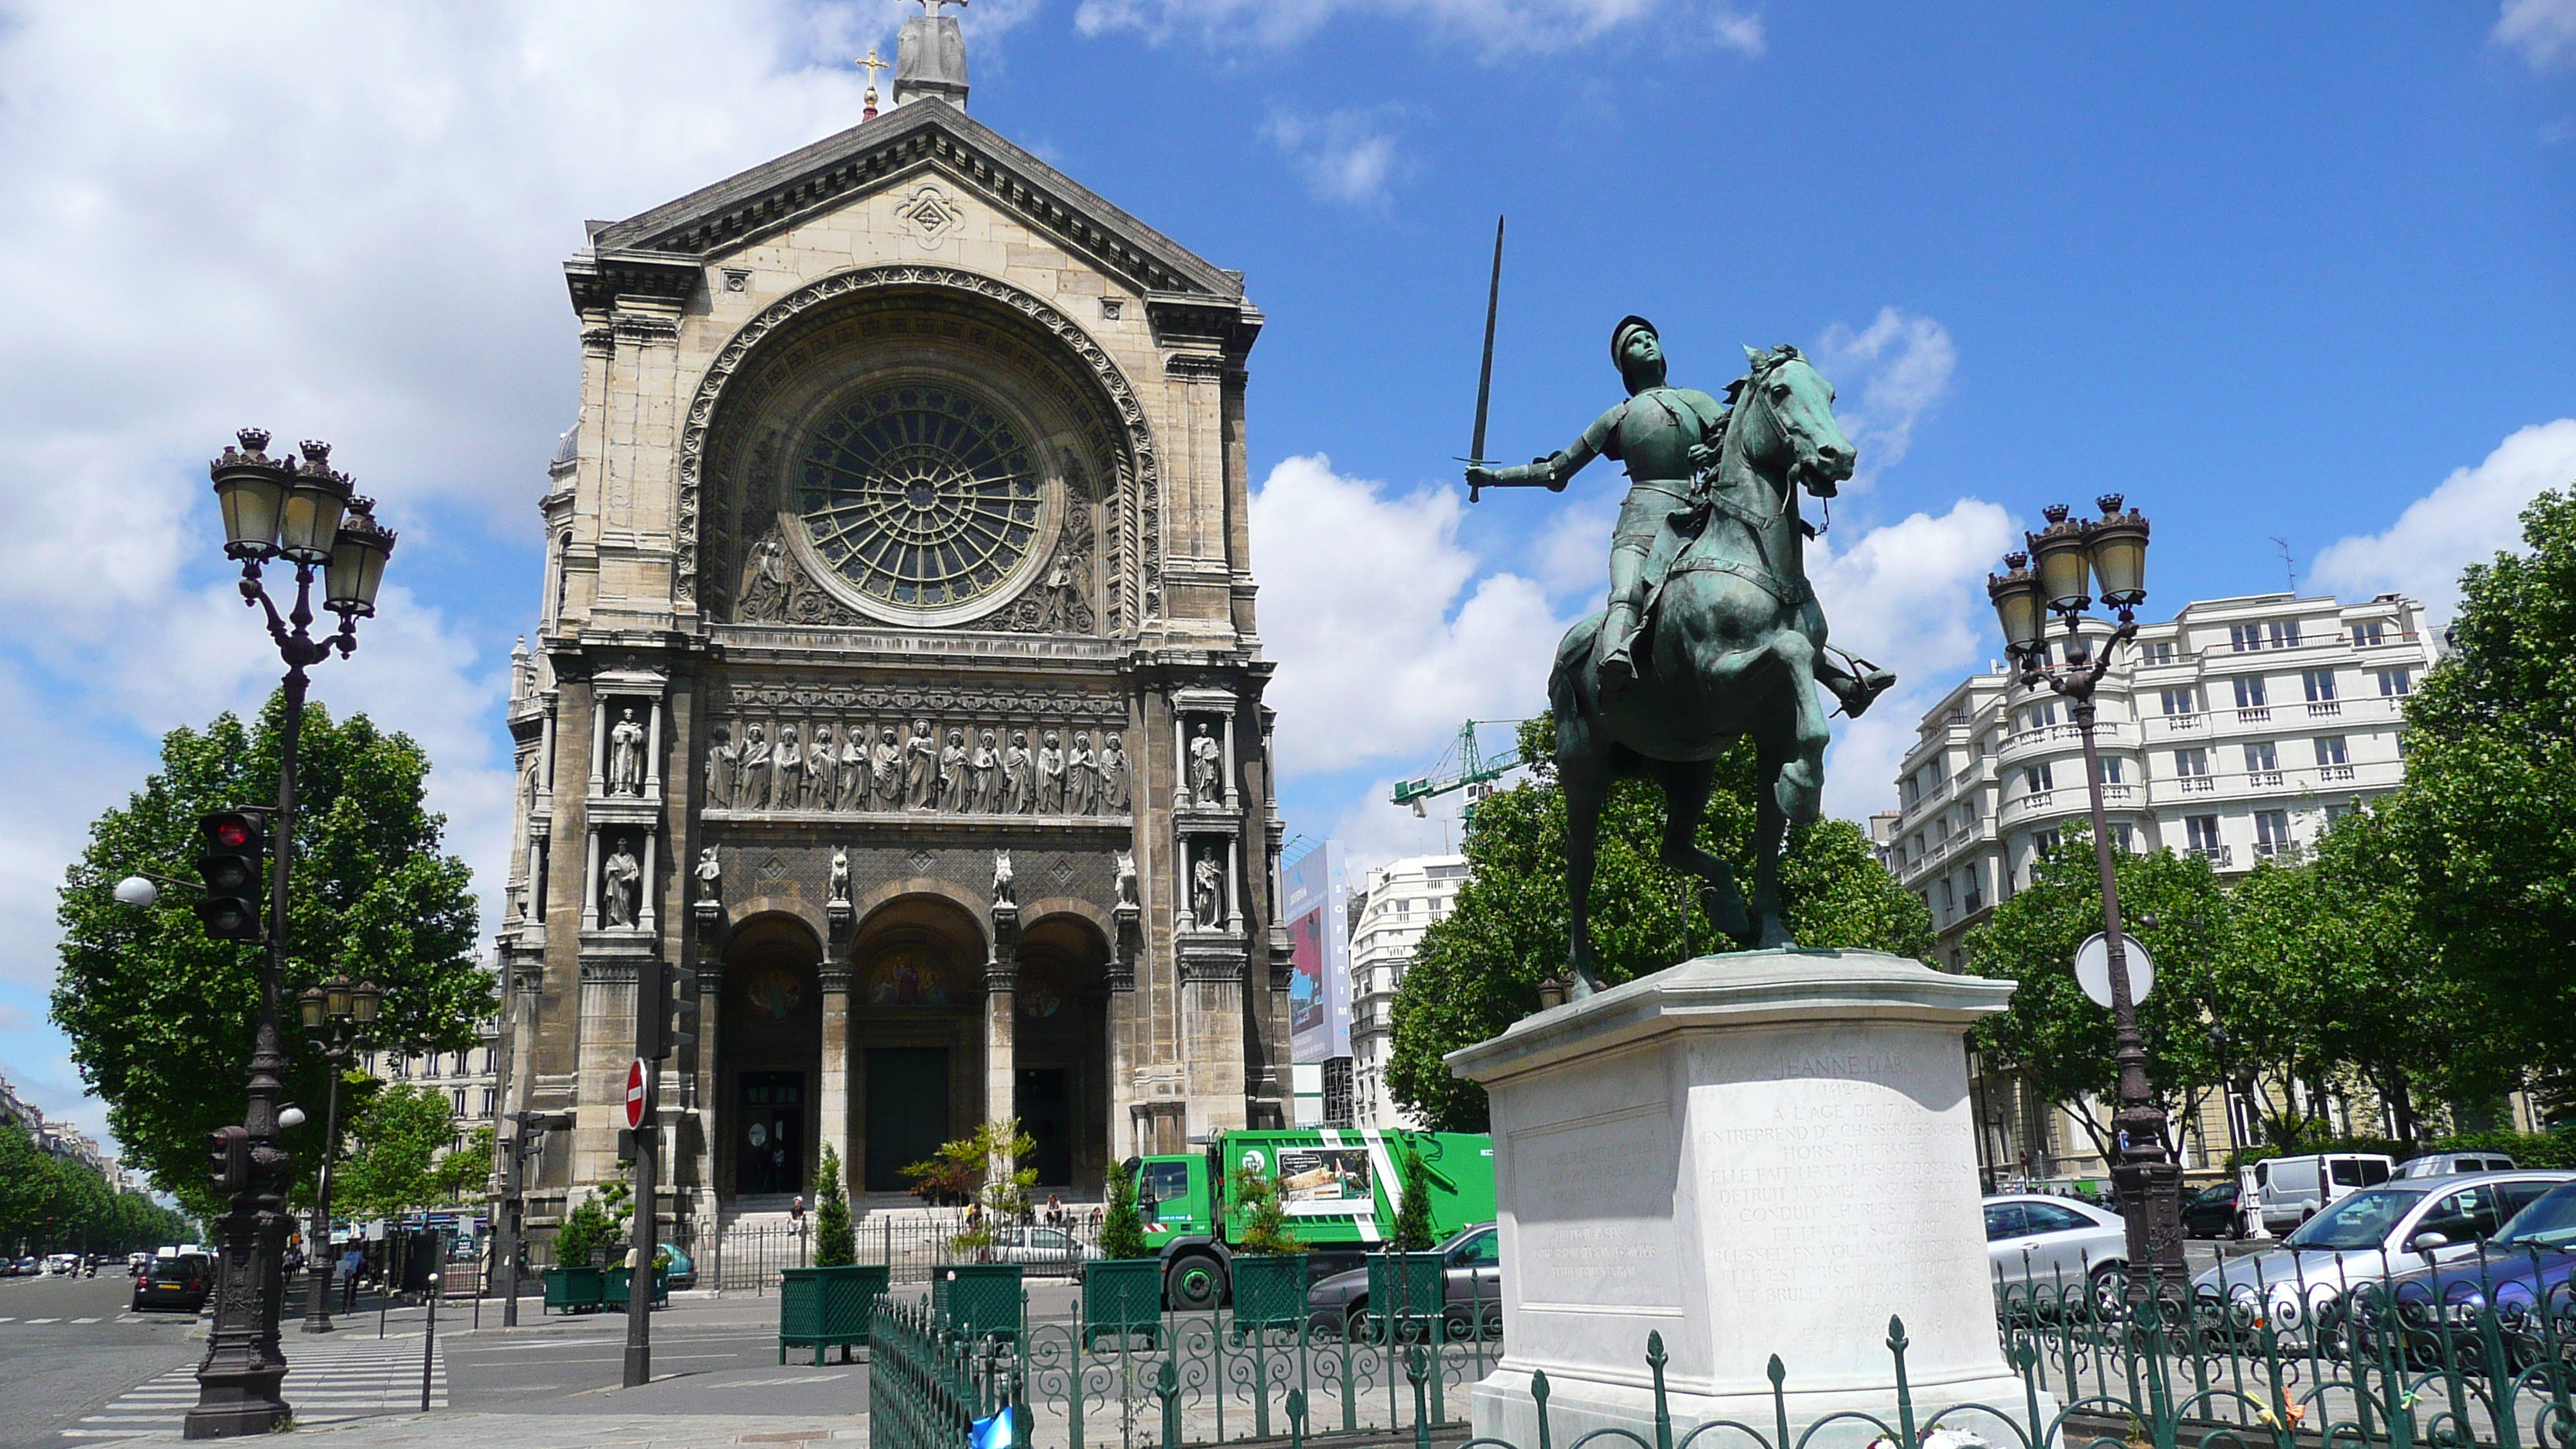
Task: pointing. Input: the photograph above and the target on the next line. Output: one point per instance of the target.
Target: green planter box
(821, 1308)
(1409, 1288)
(573, 1290)
(615, 1283)
(981, 1299)
(1269, 1292)
(1122, 1296)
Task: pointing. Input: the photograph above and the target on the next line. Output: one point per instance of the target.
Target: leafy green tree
(1264, 1217)
(2055, 1037)
(2486, 823)
(160, 1017)
(833, 1245)
(50, 1204)
(599, 1221)
(1413, 1216)
(397, 1139)
(1477, 971)
(987, 1164)
(1122, 1228)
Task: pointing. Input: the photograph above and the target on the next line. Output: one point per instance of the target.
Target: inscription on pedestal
(1596, 1197)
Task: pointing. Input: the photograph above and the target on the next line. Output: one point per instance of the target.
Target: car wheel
(2107, 1292)
(1196, 1283)
(1355, 1323)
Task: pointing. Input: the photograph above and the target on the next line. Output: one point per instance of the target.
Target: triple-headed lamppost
(301, 512)
(2071, 554)
(347, 1011)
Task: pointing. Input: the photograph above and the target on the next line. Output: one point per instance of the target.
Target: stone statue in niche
(791, 769)
(766, 582)
(986, 768)
(1207, 890)
(885, 770)
(722, 752)
(710, 874)
(751, 778)
(626, 756)
(1050, 776)
(528, 777)
(838, 893)
(952, 773)
(821, 759)
(617, 878)
(920, 768)
(1207, 771)
(1081, 776)
(1113, 775)
(1019, 779)
(1126, 868)
(854, 769)
(1002, 890)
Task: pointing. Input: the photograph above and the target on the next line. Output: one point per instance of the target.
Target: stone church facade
(896, 671)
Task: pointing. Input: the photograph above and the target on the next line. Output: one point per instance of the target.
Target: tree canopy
(51, 1204)
(400, 1152)
(1477, 971)
(160, 1017)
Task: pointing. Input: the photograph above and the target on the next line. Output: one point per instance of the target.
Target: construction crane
(1474, 771)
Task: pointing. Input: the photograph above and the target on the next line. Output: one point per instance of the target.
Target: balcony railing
(2260, 714)
(2277, 849)
(2183, 721)
(2332, 773)
(2216, 855)
(2198, 784)
(2324, 708)
(2263, 779)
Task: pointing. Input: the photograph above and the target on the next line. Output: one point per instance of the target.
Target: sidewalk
(567, 1431)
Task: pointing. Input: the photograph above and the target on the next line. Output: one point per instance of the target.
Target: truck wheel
(1195, 1283)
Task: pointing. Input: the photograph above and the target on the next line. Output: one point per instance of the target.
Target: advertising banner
(1319, 994)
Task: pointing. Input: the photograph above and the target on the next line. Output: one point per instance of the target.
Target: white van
(2287, 1191)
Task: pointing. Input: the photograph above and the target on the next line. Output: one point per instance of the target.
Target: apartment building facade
(2237, 731)
(1388, 920)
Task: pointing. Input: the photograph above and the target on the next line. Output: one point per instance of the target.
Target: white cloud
(1383, 645)
(1887, 375)
(1495, 28)
(2543, 31)
(1572, 550)
(2468, 518)
(1347, 156)
(1373, 829)
(1910, 596)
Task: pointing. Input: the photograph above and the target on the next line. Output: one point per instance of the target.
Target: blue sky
(2271, 271)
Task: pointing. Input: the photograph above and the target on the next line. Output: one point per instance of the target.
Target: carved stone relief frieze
(855, 750)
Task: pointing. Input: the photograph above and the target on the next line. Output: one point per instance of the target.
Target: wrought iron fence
(747, 1257)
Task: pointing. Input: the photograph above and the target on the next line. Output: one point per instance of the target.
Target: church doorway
(769, 1158)
(907, 1111)
(1046, 1114)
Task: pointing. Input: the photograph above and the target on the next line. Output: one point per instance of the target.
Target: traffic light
(236, 847)
(666, 1005)
(230, 1158)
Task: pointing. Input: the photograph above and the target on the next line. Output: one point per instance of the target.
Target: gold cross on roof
(870, 62)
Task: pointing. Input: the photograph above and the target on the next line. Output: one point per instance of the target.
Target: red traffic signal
(231, 867)
(229, 1149)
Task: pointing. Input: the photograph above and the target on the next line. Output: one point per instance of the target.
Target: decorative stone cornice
(599, 278)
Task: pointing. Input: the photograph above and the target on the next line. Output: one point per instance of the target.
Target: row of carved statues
(984, 770)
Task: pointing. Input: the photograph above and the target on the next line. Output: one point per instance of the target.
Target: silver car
(2383, 1232)
(1044, 1250)
(2050, 1249)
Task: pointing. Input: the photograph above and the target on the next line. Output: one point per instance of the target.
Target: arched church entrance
(1060, 1050)
(770, 1057)
(916, 1011)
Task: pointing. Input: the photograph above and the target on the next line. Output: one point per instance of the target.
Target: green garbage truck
(1340, 1188)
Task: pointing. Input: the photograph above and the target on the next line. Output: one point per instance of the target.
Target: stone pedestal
(1762, 1153)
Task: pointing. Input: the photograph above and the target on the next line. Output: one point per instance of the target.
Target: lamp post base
(317, 1318)
(2151, 1201)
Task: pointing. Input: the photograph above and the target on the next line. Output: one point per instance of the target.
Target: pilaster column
(1180, 760)
(1233, 765)
(1234, 857)
(598, 744)
(590, 884)
(653, 751)
(645, 883)
(546, 750)
(1001, 1083)
(835, 1090)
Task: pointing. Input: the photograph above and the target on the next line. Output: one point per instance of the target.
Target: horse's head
(1784, 413)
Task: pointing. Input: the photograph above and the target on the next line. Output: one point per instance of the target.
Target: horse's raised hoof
(1725, 910)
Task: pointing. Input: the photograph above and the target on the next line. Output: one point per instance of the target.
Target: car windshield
(173, 1270)
(2549, 1222)
(2360, 1221)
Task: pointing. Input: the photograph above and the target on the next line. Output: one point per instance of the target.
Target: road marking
(327, 1382)
(84, 1320)
(43, 1320)
(775, 1383)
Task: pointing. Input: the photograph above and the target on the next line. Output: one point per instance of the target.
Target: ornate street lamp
(346, 1012)
(289, 509)
(2071, 556)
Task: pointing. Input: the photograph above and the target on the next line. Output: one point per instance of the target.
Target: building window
(2396, 683)
(488, 1099)
(2120, 838)
(2271, 832)
(2160, 651)
(456, 1101)
(2284, 632)
(2202, 832)
(2337, 814)
(2043, 843)
(2243, 637)
(1949, 899)
(2188, 763)
(2109, 770)
(2039, 716)
(2367, 634)
(2036, 779)
(2185, 700)
(2330, 750)
(402, 1068)
(2320, 684)
(2261, 757)
(2250, 693)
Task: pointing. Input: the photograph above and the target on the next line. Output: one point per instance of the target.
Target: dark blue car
(2522, 1273)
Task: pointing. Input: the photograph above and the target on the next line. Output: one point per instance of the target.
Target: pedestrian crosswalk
(327, 1380)
(102, 1318)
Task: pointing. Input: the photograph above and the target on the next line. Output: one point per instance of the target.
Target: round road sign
(635, 1094)
(2093, 968)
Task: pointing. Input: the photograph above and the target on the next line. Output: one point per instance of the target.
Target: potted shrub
(573, 1285)
(1122, 1293)
(831, 1303)
(1408, 1289)
(1270, 1262)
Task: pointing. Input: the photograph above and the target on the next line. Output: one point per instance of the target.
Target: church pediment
(877, 156)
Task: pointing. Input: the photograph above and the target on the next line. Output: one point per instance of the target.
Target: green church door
(907, 1111)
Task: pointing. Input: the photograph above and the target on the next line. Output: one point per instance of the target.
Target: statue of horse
(1731, 647)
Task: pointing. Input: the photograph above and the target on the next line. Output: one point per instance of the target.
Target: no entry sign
(635, 1094)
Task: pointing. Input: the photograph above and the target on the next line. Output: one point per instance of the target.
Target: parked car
(30, 1266)
(1471, 1290)
(2523, 1269)
(2050, 1249)
(2451, 1164)
(1047, 1250)
(2291, 1190)
(65, 1264)
(180, 1282)
(136, 1263)
(2401, 1227)
(2212, 1212)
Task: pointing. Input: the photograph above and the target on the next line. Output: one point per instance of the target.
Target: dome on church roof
(567, 447)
